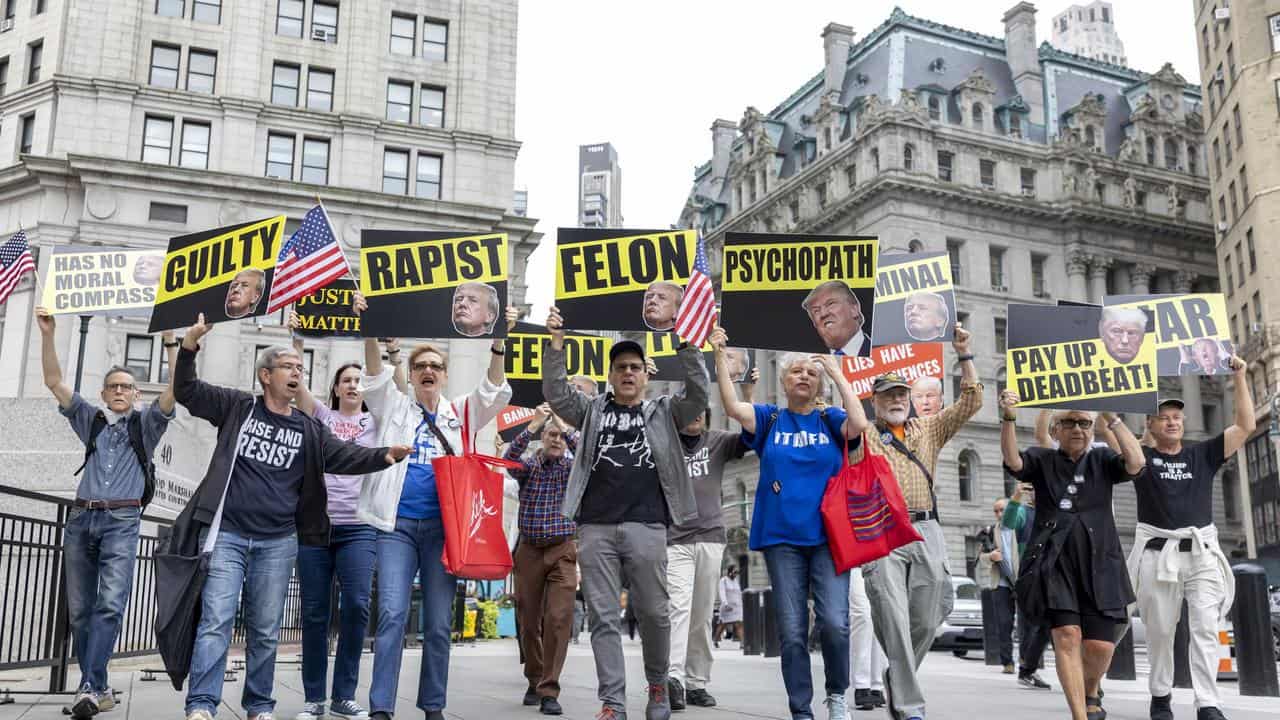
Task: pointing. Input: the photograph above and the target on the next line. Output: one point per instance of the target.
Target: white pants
(1161, 606)
(866, 658)
(693, 572)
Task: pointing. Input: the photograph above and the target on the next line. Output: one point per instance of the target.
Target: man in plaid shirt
(546, 557)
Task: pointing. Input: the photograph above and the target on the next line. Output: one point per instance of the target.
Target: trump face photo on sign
(244, 292)
(837, 316)
(925, 316)
(1122, 331)
(475, 309)
(661, 303)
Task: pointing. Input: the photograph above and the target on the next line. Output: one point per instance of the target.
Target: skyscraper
(599, 186)
(1089, 31)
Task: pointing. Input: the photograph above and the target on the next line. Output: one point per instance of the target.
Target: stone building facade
(1044, 175)
(126, 122)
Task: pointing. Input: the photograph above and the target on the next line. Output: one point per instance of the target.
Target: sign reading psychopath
(915, 301)
(433, 284)
(224, 273)
(327, 312)
(661, 348)
(1191, 333)
(616, 279)
(101, 281)
(811, 293)
(912, 362)
(586, 360)
(1081, 358)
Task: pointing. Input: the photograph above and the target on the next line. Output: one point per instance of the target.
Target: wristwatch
(962, 358)
(175, 343)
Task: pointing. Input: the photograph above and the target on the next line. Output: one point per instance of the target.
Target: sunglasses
(1069, 423)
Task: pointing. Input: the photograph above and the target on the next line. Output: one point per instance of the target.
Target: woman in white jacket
(402, 504)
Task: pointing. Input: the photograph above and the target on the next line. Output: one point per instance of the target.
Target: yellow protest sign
(432, 263)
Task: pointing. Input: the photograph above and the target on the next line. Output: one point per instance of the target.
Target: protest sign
(661, 348)
(618, 279)
(224, 273)
(586, 355)
(1081, 358)
(912, 362)
(327, 312)
(512, 419)
(810, 293)
(1191, 333)
(433, 284)
(915, 301)
(101, 281)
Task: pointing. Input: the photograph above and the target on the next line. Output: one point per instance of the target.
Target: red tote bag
(471, 497)
(864, 512)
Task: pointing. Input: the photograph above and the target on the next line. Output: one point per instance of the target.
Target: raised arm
(1245, 422)
(954, 416)
(1043, 438)
(393, 356)
(166, 401)
(497, 363)
(1105, 434)
(1009, 431)
(856, 420)
(372, 353)
(306, 401)
(202, 399)
(749, 385)
(1130, 448)
(689, 404)
(741, 411)
(565, 400)
(49, 359)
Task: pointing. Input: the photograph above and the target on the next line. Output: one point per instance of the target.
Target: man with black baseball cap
(628, 483)
(1175, 552)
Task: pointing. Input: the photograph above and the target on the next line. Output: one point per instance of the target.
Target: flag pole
(325, 211)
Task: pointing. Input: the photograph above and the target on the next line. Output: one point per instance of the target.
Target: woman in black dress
(1073, 574)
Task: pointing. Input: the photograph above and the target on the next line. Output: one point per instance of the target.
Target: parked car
(961, 631)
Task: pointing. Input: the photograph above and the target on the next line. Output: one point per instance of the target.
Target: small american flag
(309, 260)
(698, 308)
(15, 261)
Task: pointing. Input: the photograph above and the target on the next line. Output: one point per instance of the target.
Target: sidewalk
(486, 683)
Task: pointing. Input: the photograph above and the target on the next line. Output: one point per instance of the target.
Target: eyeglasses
(629, 367)
(422, 366)
(290, 367)
(118, 387)
(1068, 423)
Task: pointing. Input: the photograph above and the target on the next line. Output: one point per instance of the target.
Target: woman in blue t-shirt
(800, 448)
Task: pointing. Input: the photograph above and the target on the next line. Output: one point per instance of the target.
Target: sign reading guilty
(616, 279)
(809, 293)
(433, 284)
(224, 273)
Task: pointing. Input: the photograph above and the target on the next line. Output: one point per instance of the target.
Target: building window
(977, 116)
(944, 165)
(170, 8)
(319, 89)
(1235, 120)
(431, 106)
(1230, 496)
(289, 18)
(1235, 329)
(137, 356)
(1001, 327)
(1253, 258)
(987, 174)
(165, 212)
(164, 66)
(195, 145)
(435, 40)
(1217, 158)
(1151, 150)
(1193, 163)
(820, 192)
(399, 101)
(1037, 276)
(395, 171)
(1240, 264)
(202, 68)
(1257, 313)
(908, 157)
(1235, 201)
(1204, 42)
(35, 56)
(428, 179)
(1170, 154)
(1231, 63)
(1273, 22)
(953, 254)
(996, 263)
(324, 19)
(1028, 182)
(1090, 138)
(403, 34)
(935, 108)
(915, 246)
(1222, 208)
(1226, 264)
(284, 84)
(851, 175)
(966, 471)
(315, 161)
(875, 160)
(1244, 186)
(4, 76)
(207, 11)
(28, 131)
(157, 139)
(280, 156)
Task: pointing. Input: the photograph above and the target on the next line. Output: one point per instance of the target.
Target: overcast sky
(651, 76)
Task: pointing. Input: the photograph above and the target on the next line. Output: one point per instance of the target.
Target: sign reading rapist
(1191, 333)
(224, 273)
(584, 355)
(661, 348)
(618, 279)
(1081, 358)
(809, 293)
(433, 284)
(915, 301)
(912, 362)
(327, 312)
(101, 281)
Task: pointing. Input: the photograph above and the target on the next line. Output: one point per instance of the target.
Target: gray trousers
(606, 555)
(910, 593)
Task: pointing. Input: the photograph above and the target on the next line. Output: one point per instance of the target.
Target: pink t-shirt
(344, 490)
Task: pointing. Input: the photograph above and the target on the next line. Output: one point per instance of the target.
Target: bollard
(769, 612)
(1122, 663)
(1251, 622)
(751, 630)
(990, 629)
(1181, 651)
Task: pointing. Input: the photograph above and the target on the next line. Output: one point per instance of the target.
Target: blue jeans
(350, 556)
(413, 548)
(794, 571)
(99, 548)
(261, 570)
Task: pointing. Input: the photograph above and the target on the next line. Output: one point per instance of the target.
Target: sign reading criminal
(915, 301)
(101, 281)
(616, 279)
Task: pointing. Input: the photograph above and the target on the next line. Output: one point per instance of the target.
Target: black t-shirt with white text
(262, 497)
(624, 484)
(1176, 491)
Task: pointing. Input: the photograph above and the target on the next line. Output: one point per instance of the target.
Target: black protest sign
(618, 279)
(433, 284)
(327, 312)
(915, 301)
(512, 419)
(224, 273)
(809, 293)
(1191, 333)
(661, 348)
(1079, 358)
(585, 356)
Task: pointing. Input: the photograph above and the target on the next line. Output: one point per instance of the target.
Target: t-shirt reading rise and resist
(624, 485)
(1176, 491)
(705, 456)
(262, 497)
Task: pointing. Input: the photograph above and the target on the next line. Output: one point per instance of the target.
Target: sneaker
(199, 715)
(863, 700)
(435, 715)
(106, 700)
(676, 690)
(1161, 707)
(348, 709)
(1008, 669)
(530, 697)
(659, 705)
(837, 707)
(1209, 713)
(1033, 681)
(86, 704)
(311, 711)
(550, 706)
(1100, 713)
(878, 696)
(700, 698)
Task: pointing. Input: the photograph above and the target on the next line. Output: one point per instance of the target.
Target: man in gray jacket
(627, 484)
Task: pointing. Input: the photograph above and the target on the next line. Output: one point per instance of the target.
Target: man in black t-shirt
(1176, 554)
